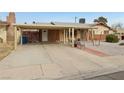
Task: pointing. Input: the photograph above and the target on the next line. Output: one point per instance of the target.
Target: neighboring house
(3, 32)
(101, 31)
(7, 29)
(120, 33)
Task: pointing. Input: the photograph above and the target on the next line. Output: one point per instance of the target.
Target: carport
(52, 32)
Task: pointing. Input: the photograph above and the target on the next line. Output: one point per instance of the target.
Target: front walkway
(52, 61)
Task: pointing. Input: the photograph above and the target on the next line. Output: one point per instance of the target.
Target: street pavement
(112, 76)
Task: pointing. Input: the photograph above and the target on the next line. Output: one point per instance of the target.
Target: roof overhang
(43, 26)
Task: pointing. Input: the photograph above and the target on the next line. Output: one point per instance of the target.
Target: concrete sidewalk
(52, 61)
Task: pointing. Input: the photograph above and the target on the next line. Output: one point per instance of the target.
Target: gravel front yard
(112, 49)
(4, 51)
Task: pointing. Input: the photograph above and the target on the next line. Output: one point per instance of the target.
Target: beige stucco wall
(111, 32)
(18, 36)
(101, 30)
(3, 34)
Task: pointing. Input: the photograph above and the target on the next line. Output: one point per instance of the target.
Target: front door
(44, 35)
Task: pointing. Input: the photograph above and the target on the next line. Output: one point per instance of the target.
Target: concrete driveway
(53, 61)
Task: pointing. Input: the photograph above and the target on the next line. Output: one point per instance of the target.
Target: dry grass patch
(5, 50)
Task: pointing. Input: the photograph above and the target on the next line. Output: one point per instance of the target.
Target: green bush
(112, 38)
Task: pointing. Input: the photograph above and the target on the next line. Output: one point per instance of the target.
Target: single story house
(62, 32)
(120, 33)
(53, 32)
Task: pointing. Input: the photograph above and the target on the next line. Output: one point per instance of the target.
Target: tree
(101, 20)
(117, 26)
(95, 20)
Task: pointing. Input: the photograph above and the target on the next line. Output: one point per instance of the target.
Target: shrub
(112, 38)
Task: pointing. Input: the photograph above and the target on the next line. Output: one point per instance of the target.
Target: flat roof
(56, 25)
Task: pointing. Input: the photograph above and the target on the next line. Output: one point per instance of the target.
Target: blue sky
(21, 17)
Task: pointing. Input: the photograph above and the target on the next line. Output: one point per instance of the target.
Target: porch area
(62, 34)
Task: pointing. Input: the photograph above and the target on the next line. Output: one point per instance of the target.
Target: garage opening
(40, 36)
(30, 37)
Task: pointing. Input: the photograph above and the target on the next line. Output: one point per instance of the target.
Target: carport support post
(69, 35)
(64, 36)
(72, 37)
(15, 37)
(21, 35)
(92, 36)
